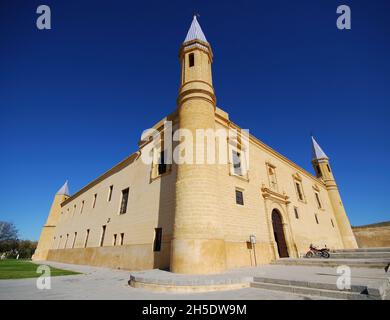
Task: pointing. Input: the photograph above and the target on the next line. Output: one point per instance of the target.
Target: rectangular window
(59, 242)
(122, 239)
(102, 236)
(328, 167)
(315, 215)
(110, 193)
(162, 167)
(296, 212)
(74, 239)
(114, 240)
(191, 59)
(299, 191)
(125, 197)
(86, 238)
(157, 239)
(331, 220)
(94, 200)
(74, 210)
(237, 163)
(318, 200)
(82, 207)
(239, 197)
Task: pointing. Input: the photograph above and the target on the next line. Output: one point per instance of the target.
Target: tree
(11, 245)
(26, 248)
(8, 231)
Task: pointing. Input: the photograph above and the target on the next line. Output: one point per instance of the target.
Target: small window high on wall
(299, 191)
(110, 193)
(94, 200)
(191, 59)
(125, 197)
(318, 200)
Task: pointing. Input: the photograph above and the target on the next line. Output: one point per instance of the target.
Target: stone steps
(381, 249)
(328, 290)
(360, 255)
(357, 263)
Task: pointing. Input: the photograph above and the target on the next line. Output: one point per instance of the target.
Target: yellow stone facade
(204, 230)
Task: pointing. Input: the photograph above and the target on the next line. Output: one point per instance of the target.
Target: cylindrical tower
(47, 234)
(198, 245)
(322, 168)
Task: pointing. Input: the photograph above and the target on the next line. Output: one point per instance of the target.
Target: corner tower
(322, 168)
(47, 234)
(198, 245)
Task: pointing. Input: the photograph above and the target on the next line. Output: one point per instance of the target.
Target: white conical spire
(64, 189)
(195, 32)
(318, 153)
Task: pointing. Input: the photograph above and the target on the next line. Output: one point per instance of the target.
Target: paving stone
(104, 283)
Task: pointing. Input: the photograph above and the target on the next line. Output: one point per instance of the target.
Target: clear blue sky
(74, 100)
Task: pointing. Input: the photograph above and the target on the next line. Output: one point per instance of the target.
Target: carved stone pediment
(276, 196)
(316, 188)
(297, 176)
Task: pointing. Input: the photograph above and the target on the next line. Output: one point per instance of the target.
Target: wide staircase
(362, 257)
(318, 277)
(324, 290)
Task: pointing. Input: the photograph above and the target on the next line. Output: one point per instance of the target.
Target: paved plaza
(104, 283)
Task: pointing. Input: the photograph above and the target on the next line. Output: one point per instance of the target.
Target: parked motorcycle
(318, 253)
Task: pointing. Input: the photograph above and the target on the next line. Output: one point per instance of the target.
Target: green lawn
(18, 269)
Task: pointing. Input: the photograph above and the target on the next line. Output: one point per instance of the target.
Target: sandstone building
(198, 218)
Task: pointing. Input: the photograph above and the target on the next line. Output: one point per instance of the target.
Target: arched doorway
(280, 239)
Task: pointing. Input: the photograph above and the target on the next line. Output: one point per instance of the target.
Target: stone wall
(376, 235)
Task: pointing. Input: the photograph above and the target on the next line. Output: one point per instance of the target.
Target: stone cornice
(192, 45)
(181, 98)
(129, 160)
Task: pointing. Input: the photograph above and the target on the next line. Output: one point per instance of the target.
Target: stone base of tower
(44, 243)
(40, 255)
(198, 256)
(350, 242)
